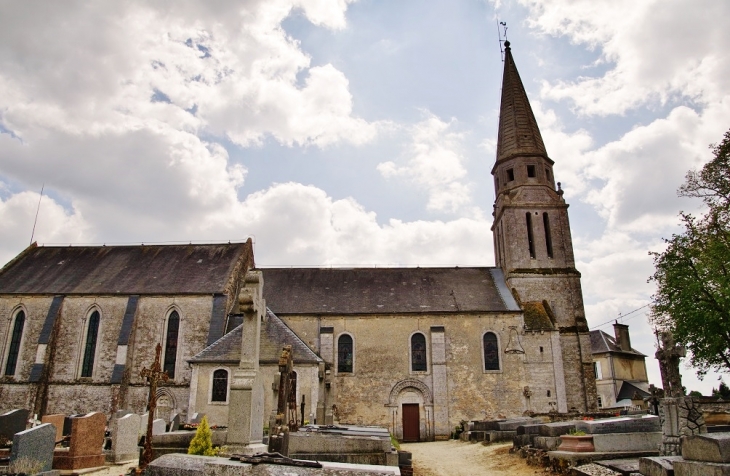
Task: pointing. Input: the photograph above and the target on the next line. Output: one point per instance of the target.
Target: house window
(548, 236)
(15, 338)
(491, 351)
(547, 174)
(344, 354)
(87, 366)
(510, 175)
(600, 402)
(418, 352)
(597, 370)
(220, 386)
(173, 326)
(530, 170)
(530, 240)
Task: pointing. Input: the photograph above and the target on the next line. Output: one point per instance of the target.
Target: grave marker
(34, 446)
(57, 420)
(124, 433)
(87, 440)
(13, 422)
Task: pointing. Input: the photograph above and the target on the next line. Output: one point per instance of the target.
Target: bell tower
(532, 239)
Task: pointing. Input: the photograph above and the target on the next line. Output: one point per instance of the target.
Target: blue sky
(340, 132)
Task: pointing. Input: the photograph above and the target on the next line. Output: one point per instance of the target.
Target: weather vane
(502, 36)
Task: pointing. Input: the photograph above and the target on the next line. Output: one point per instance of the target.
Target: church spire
(518, 131)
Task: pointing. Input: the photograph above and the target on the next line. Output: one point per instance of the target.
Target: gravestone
(125, 435)
(158, 426)
(680, 417)
(246, 407)
(197, 418)
(87, 440)
(705, 455)
(33, 447)
(175, 422)
(57, 420)
(646, 423)
(121, 413)
(143, 423)
(67, 423)
(13, 422)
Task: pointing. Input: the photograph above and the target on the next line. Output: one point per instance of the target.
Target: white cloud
(654, 50)
(434, 162)
(55, 224)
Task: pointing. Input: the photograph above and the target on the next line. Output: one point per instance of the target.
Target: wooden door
(411, 422)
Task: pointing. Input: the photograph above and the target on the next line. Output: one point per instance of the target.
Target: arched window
(220, 386)
(418, 352)
(344, 353)
(87, 366)
(15, 338)
(530, 241)
(491, 351)
(173, 326)
(548, 236)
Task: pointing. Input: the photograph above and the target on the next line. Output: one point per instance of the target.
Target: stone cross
(153, 375)
(668, 355)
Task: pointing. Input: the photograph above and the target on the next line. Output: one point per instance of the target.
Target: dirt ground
(456, 458)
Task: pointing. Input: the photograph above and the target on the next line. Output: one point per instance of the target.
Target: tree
(693, 274)
(722, 391)
(202, 442)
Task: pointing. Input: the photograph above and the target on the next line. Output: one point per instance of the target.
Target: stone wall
(307, 384)
(382, 378)
(68, 392)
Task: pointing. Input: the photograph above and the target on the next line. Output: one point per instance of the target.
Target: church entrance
(411, 422)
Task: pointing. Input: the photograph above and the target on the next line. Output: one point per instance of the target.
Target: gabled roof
(518, 132)
(386, 290)
(275, 334)
(144, 269)
(602, 343)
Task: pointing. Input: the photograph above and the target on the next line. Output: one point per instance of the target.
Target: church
(416, 350)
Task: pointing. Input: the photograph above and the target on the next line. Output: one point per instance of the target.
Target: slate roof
(385, 290)
(274, 336)
(602, 343)
(144, 269)
(628, 389)
(518, 132)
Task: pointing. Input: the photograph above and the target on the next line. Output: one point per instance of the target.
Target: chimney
(621, 331)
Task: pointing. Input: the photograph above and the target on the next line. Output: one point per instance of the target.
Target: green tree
(692, 274)
(722, 391)
(202, 442)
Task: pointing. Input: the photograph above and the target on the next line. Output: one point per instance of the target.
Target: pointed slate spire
(518, 131)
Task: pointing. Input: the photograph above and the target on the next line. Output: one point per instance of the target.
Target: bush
(202, 442)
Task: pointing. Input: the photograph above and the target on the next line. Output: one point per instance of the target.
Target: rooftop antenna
(32, 234)
(502, 36)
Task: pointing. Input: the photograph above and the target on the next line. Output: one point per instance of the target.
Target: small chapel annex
(414, 349)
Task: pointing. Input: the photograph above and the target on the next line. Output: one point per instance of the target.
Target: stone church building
(414, 349)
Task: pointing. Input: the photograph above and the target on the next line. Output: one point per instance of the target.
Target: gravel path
(456, 458)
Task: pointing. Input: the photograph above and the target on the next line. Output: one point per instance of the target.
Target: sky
(358, 133)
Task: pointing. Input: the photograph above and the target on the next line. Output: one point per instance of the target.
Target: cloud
(435, 163)
(55, 224)
(655, 51)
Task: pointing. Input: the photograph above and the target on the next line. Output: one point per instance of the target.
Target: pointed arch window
(418, 353)
(173, 328)
(92, 333)
(345, 354)
(491, 351)
(220, 386)
(15, 338)
(548, 235)
(530, 240)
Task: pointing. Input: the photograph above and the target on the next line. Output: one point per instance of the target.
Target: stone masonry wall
(382, 360)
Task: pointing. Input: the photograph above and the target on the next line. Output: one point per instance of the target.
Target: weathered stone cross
(153, 375)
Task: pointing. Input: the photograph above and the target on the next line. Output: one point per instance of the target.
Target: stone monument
(246, 408)
(33, 447)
